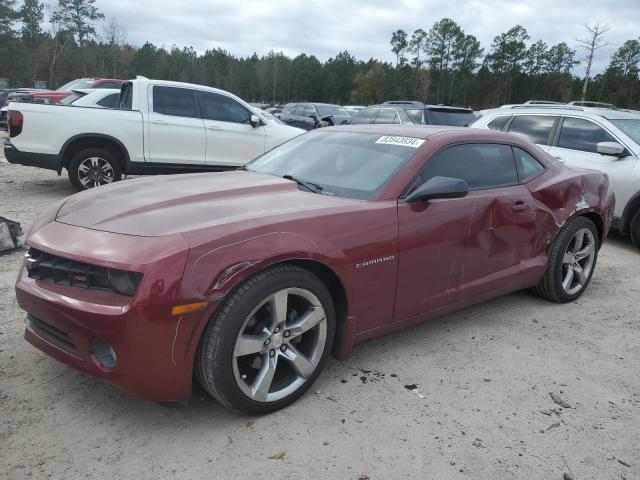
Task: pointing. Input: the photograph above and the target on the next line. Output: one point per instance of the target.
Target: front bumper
(40, 160)
(154, 349)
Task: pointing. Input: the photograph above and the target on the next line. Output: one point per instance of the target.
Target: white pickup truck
(160, 127)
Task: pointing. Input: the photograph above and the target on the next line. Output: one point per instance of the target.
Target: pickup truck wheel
(635, 229)
(93, 167)
(572, 260)
(268, 341)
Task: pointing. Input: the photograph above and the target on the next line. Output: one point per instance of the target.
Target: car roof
(407, 105)
(565, 110)
(414, 131)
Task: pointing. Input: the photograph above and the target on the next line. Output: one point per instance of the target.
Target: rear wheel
(572, 260)
(268, 342)
(93, 167)
(635, 229)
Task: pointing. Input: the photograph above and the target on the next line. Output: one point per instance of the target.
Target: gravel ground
(485, 372)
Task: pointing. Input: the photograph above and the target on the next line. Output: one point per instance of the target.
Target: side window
(299, 111)
(288, 109)
(222, 108)
(581, 134)
(387, 115)
(307, 111)
(110, 85)
(179, 102)
(528, 167)
(536, 127)
(365, 116)
(481, 165)
(110, 101)
(498, 123)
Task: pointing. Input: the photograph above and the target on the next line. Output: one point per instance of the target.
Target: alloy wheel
(578, 261)
(95, 171)
(280, 345)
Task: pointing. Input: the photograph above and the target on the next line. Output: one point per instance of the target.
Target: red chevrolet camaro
(250, 279)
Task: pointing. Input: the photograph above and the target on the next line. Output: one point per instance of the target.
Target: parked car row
(55, 96)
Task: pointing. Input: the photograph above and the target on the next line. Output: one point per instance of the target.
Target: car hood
(173, 204)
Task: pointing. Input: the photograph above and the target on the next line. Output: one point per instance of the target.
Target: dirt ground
(485, 372)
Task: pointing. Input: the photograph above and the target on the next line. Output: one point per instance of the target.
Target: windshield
(416, 116)
(76, 84)
(70, 99)
(629, 126)
(345, 164)
(328, 110)
(268, 117)
(450, 117)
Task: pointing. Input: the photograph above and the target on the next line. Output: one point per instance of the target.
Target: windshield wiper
(312, 187)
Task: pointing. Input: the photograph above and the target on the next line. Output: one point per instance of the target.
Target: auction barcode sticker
(402, 141)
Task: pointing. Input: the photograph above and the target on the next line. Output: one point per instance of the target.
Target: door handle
(159, 122)
(520, 206)
(213, 127)
(560, 159)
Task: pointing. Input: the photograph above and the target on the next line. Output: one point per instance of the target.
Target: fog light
(105, 354)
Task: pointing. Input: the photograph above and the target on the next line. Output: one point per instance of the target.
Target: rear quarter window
(498, 123)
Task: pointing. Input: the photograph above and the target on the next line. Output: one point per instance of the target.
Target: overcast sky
(326, 27)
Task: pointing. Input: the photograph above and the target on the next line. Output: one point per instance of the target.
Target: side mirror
(610, 148)
(255, 121)
(438, 187)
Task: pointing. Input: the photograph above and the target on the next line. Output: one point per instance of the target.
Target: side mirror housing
(255, 121)
(610, 148)
(438, 187)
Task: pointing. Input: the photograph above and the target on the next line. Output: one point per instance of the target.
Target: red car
(249, 279)
(54, 96)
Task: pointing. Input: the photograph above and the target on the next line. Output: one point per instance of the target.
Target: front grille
(53, 334)
(61, 271)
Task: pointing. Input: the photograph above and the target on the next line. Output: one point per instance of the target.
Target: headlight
(125, 283)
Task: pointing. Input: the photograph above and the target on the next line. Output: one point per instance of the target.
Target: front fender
(212, 272)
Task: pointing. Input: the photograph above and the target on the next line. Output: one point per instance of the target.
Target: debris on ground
(556, 398)
(622, 462)
(11, 235)
(477, 442)
(249, 424)
(277, 456)
(333, 398)
(416, 391)
(553, 425)
(566, 476)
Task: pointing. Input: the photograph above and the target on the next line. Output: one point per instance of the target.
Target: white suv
(602, 139)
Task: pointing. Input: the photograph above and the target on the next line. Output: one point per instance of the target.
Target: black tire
(87, 153)
(634, 229)
(214, 359)
(550, 286)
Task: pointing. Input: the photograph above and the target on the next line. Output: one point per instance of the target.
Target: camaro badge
(375, 261)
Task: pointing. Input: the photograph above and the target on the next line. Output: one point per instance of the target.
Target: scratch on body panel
(173, 345)
(248, 240)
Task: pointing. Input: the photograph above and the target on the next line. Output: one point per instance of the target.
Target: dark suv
(313, 115)
(406, 112)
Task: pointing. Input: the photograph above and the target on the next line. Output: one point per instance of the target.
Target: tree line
(442, 65)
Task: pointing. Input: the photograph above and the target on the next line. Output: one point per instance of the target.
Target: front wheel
(572, 260)
(93, 167)
(268, 342)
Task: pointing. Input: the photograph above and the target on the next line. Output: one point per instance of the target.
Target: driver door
(456, 248)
